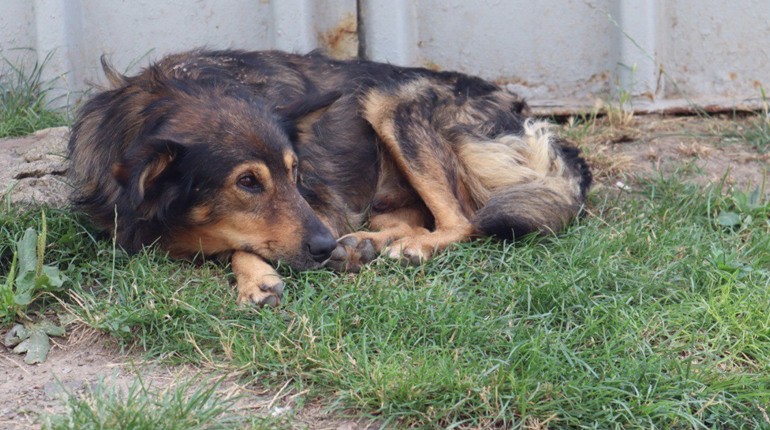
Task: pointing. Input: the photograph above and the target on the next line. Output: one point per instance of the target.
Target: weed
(755, 132)
(26, 280)
(742, 208)
(593, 133)
(619, 106)
(610, 121)
(32, 278)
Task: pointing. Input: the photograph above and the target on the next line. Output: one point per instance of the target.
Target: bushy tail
(545, 205)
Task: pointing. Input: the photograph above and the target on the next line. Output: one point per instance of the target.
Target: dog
(270, 157)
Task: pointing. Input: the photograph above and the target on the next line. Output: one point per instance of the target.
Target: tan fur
(238, 230)
(409, 221)
(379, 106)
(510, 160)
(151, 172)
(445, 209)
(290, 161)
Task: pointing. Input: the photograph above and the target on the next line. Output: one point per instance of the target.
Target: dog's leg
(430, 165)
(257, 281)
(432, 170)
(355, 250)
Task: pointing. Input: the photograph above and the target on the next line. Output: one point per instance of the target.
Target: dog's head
(213, 170)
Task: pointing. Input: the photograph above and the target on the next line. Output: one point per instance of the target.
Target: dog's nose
(321, 245)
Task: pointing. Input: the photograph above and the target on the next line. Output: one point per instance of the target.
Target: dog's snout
(320, 245)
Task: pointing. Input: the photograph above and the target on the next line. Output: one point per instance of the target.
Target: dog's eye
(294, 172)
(249, 183)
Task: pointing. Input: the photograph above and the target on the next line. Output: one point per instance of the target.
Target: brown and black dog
(269, 156)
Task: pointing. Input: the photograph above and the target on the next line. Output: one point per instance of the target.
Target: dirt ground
(33, 168)
(690, 148)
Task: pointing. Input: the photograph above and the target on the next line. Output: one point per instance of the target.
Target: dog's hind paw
(408, 252)
(420, 247)
(351, 253)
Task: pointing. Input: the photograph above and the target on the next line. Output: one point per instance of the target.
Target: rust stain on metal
(598, 77)
(341, 42)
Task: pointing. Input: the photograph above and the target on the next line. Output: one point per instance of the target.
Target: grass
(24, 107)
(647, 312)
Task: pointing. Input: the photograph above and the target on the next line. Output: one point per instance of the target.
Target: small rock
(279, 411)
(622, 186)
(33, 168)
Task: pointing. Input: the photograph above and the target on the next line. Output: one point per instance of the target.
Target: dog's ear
(146, 168)
(299, 115)
(115, 79)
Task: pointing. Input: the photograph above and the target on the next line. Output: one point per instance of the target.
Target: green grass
(24, 107)
(647, 312)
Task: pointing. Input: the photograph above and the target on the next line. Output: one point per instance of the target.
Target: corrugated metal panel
(562, 55)
(718, 47)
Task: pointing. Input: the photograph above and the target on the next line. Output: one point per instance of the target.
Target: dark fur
(157, 150)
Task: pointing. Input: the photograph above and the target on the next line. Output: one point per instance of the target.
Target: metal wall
(561, 54)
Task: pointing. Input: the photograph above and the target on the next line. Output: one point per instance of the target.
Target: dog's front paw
(352, 253)
(257, 283)
(268, 292)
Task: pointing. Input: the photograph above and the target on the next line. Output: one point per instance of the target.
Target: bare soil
(73, 366)
(687, 148)
(33, 169)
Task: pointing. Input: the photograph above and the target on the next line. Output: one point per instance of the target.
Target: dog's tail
(535, 207)
(534, 183)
